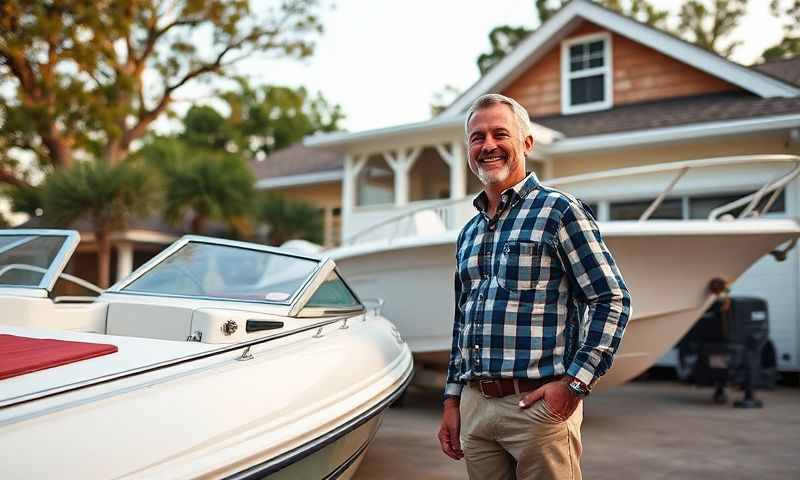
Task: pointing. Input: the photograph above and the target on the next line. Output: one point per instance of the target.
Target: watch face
(578, 388)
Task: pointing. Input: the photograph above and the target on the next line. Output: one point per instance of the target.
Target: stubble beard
(496, 176)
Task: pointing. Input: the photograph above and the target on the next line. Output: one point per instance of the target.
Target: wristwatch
(578, 388)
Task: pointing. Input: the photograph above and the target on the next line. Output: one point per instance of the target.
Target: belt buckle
(481, 383)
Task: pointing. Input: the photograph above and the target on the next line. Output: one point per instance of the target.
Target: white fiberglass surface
(25, 259)
(223, 271)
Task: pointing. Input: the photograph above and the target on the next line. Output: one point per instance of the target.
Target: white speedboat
(668, 265)
(216, 359)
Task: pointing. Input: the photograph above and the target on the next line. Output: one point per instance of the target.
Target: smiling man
(540, 311)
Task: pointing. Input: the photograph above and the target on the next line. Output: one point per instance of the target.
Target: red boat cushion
(19, 355)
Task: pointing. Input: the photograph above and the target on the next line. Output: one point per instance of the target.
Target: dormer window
(586, 73)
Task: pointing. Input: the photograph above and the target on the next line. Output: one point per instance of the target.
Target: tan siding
(325, 195)
(640, 74)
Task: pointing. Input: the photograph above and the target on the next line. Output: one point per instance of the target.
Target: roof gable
(569, 18)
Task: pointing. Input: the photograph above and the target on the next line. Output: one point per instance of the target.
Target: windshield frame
(71, 240)
(119, 287)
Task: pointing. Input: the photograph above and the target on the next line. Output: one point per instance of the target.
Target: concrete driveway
(643, 430)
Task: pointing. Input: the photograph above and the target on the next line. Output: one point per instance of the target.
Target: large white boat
(668, 265)
(216, 359)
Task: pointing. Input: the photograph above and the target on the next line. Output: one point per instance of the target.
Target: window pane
(587, 89)
(701, 206)
(24, 259)
(586, 55)
(332, 293)
(222, 271)
(576, 52)
(595, 62)
(669, 209)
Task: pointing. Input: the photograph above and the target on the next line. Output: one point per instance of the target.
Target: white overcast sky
(382, 60)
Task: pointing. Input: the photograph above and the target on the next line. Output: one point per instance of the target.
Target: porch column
(401, 161)
(454, 158)
(124, 259)
(352, 167)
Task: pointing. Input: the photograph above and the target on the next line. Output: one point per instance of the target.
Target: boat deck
(133, 353)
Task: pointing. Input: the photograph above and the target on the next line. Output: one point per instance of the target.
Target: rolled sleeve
(596, 281)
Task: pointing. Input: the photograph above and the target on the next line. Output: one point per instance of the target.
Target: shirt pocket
(520, 266)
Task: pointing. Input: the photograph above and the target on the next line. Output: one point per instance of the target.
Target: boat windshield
(25, 259)
(206, 270)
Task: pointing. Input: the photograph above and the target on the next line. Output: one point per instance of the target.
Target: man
(540, 311)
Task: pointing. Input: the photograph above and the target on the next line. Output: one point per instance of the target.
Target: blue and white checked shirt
(524, 280)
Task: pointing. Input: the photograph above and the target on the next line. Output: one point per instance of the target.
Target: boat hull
(666, 265)
(304, 406)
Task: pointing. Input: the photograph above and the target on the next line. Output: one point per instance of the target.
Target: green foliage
(789, 46)
(505, 38)
(204, 127)
(269, 118)
(289, 220)
(708, 25)
(107, 195)
(26, 199)
(202, 184)
(72, 73)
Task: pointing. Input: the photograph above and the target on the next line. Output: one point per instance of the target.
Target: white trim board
(302, 179)
(541, 133)
(568, 18)
(607, 70)
(671, 134)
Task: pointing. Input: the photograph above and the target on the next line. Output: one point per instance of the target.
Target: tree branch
(9, 177)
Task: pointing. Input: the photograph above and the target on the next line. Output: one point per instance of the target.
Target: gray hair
(521, 115)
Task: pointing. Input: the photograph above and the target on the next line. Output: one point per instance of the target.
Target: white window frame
(566, 76)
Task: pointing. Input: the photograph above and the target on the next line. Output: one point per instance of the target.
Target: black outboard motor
(730, 345)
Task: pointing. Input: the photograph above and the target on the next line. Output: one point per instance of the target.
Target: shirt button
(480, 296)
(477, 347)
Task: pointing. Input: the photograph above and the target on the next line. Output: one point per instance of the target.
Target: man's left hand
(559, 399)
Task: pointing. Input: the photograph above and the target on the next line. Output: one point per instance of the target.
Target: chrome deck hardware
(246, 355)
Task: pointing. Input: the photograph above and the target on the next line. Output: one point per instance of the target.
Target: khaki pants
(504, 442)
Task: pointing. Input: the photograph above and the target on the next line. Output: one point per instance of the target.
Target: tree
(789, 46)
(202, 184)
(709, 27)
(269, 118)
(72, 72)
(442, 98)
(289, 220)
(107, 195)
(505, 38)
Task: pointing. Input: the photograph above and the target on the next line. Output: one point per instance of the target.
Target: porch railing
(443, 216)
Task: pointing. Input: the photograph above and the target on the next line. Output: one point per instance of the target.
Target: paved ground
(644, 430)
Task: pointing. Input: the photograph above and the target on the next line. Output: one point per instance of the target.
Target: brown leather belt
(500, 387)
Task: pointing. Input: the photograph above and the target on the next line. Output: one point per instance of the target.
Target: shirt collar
(521, 190)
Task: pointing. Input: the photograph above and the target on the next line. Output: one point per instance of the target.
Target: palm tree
(289, 220)
(107, 195)
(207, 185)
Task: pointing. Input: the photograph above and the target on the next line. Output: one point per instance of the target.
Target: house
(604, 92)
(309, 175)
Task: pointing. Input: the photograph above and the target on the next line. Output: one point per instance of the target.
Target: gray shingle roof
(787, 70)
(670, 113)
(297, 160)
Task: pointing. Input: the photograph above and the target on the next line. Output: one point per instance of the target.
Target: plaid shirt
(537, 291)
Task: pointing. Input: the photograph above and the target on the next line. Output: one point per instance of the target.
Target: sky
(383, 60)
